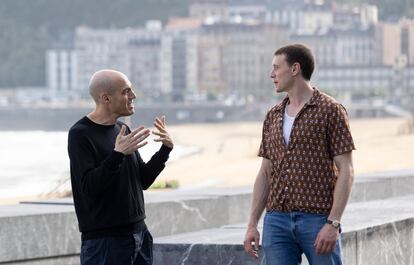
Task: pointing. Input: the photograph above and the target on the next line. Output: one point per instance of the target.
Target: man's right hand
(251, 242)
(127, 144)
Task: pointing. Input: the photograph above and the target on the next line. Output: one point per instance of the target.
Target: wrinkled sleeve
(339, 132)
(264, 150)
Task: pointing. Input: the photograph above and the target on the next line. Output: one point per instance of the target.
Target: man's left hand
(163, 134)
(326, 240)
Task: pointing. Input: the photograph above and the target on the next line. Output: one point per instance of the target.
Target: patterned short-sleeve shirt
(303, 174)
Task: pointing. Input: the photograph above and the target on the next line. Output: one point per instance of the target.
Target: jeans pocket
(146, 247)
(88, 246)
(90, 251)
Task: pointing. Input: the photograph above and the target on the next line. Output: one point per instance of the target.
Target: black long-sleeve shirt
(107, 185)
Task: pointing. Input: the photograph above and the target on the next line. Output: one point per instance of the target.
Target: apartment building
(179, 58)
(135, 52)
(235, 58)
(61, 71)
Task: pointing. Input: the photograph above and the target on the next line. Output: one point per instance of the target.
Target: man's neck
(102, 117)
(300, 94)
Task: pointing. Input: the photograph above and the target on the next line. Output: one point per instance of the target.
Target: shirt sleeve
(149, 171)
(264, 150)
(339, 132)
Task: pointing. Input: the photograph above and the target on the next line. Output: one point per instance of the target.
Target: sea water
(36, 162)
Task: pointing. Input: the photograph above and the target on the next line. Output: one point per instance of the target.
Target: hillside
(29, 27)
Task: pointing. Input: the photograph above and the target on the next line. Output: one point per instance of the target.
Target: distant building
(135, 52)
(387, 82)
(179, 57)
(300, 16)
(61, 67)
(236, 58)
(145, 62)
(388, 43)
(224, 49)
(365, 61)
(247, 11)
(216, 10)
(61, 71)
(354, 16)
(101, 48)
(363, 79)
(380, 44)
(341, 47)
(407, 40)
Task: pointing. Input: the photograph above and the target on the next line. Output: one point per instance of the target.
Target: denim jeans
(286, 236)
(135, 249)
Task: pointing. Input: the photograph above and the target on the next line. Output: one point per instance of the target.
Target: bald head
(105, 81)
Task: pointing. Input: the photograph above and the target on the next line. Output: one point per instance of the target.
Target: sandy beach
(227, 154)
(229, 151)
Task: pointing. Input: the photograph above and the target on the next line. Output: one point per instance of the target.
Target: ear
(104, 98)
(295, 69)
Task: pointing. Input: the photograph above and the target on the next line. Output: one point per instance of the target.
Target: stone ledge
(39, 235)
(368, 228)
(42, 230)
(388, 244)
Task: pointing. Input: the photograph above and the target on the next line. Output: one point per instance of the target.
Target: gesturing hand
(163, 134)
(127, 144)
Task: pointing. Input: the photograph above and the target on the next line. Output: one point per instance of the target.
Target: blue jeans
(286, 236)
(135, 249)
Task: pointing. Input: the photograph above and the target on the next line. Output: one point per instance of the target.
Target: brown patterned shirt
(303, 173)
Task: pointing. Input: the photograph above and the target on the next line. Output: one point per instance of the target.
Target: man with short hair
(307, 171)
(108, 175)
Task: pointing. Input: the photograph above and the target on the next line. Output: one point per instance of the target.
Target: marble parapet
(375, 232)
(32, 232)
(46, 232)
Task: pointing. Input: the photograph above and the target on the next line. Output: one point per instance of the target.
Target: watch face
(334, 223)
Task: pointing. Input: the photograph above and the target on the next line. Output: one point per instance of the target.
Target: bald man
(108, 175)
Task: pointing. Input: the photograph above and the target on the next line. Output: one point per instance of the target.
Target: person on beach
(108, 175)
(306, 173)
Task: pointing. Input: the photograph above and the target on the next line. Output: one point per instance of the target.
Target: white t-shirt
(287, 126)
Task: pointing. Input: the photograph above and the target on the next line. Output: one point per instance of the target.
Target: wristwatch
(334, 223)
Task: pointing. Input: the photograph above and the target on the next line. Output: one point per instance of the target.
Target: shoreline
(226, 153)
(231, 151)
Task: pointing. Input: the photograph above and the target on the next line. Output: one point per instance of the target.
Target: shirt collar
(314, 100)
